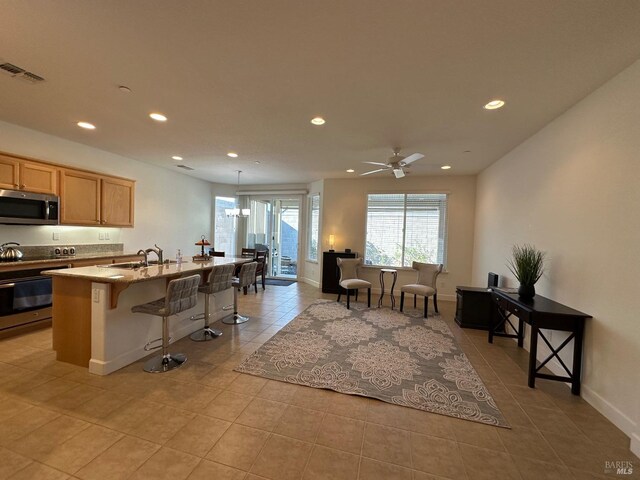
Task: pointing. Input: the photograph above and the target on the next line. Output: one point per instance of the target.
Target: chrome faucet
(146, 258)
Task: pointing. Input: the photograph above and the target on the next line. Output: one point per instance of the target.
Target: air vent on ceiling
(20, 73)
(184, 167)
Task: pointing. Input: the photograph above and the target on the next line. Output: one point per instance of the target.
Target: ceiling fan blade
(376, 163)
(374, 171)
(398, 172)
(412, 158)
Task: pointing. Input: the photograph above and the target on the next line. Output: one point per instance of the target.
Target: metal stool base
(205, 335)
(236, 319)
(164, 363)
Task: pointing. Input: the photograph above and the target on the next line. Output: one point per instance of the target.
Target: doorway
(274, 224)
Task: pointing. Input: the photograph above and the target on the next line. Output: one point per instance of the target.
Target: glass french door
(274, 224)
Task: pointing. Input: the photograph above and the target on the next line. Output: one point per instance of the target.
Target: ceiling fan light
(398, 172)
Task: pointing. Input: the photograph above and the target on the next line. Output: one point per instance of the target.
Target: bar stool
(219, 280)
(182, 294)
(246, 277)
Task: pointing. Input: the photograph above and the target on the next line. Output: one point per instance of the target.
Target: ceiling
(247, 76)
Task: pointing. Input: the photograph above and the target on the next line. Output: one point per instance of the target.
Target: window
(402, 228)
(224, 239)
(313, 228)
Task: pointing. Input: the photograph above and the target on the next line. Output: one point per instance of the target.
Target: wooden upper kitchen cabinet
(91, 199)
(117, 202)
(18, 174)
(79, 198)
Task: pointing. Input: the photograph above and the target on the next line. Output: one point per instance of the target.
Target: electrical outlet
(96, 296)
(107, 236)
(56, 235)
(100, 235)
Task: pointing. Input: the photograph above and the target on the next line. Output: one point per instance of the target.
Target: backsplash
(81, 249)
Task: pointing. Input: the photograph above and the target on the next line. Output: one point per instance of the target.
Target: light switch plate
(56, 235)
(107, 236)
(100, 235)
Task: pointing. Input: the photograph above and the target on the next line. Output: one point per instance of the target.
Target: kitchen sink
(134, 265)
(130, 265)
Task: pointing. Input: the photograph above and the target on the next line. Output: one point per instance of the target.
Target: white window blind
(313, 228)
(402, 228)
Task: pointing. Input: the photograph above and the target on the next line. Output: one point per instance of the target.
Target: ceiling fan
(397, 163)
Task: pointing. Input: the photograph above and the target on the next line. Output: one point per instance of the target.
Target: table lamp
(332, 241)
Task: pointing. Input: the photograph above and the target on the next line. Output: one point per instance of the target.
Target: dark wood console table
(540, 313)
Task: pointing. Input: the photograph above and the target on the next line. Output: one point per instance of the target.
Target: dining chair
(261, 270)
(425, 285)
(349, 278)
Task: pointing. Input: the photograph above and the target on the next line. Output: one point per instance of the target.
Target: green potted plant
(527, 265)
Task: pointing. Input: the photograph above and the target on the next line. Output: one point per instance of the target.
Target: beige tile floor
(205, 421)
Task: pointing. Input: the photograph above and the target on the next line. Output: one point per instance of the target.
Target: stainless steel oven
(15, 315)
(26, 208)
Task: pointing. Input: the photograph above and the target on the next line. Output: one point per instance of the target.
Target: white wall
(344, 214)
(573, 191)
(171, 209)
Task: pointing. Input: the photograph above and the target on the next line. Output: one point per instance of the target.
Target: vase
(526, 292)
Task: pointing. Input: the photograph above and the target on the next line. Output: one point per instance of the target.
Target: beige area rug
(398, 358)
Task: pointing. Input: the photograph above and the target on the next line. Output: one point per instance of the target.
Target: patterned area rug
(398, 358)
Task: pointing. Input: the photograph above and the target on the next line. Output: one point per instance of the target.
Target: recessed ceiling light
(158, 117)
(350, 170)
(232, 154)
(177, 157)
(445, 167)
(317, 121)
(86, 125)
(494, 104)
(257, 162)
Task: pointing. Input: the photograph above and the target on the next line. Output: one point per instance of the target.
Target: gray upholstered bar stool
(219, 280)
(182, 294)
(246, 277)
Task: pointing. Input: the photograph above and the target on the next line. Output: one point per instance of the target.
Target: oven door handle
(7, 285)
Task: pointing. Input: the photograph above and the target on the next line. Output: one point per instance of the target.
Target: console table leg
(577, 359)
(521, 332)
(533, 350)
(493, 319)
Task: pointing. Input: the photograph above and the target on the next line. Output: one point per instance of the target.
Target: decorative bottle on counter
(179, 257)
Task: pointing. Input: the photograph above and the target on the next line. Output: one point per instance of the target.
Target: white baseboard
(99, 367)
(635, 444)
(613, 414)
(606, 408)
(308, 281)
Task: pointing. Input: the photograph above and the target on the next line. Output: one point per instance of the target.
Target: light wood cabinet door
(9, 171)
(38, 177)
(79, 198)
(117, 202)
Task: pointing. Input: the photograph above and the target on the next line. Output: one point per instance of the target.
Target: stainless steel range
(25, 299)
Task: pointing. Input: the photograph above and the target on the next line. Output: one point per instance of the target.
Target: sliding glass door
(274, 224)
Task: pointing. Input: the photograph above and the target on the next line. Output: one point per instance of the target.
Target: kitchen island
(92, 321)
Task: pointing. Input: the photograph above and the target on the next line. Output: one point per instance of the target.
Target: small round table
(394, 274)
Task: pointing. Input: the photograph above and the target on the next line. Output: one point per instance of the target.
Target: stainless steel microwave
(26, 208)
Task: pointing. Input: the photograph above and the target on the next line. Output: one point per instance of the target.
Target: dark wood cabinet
(330, 271)
(473, 307)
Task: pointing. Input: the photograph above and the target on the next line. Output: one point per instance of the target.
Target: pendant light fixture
(236, 212)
